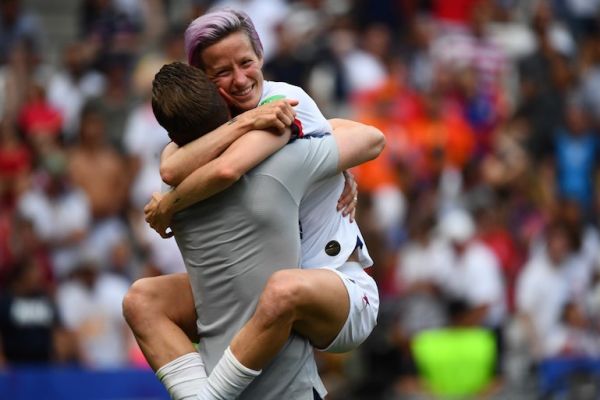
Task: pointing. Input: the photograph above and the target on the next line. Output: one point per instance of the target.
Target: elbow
(228, 175)
(378, 143)
(168, 175)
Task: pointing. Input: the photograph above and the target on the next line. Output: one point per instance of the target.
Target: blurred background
(481, 214)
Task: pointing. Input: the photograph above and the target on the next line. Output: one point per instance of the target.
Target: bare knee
(281, 298)
(140, 303)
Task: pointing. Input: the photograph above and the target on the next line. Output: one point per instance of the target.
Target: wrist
(242, 123)
(166, 205)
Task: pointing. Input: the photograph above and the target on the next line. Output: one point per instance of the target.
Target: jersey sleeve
(300, 164)
(309, 121)
(322, 159)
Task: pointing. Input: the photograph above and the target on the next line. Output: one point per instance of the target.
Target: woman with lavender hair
(331, 300)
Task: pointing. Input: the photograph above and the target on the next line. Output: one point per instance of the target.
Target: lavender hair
(210, 28)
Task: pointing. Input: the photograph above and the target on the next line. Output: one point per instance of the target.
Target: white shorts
(364, 306)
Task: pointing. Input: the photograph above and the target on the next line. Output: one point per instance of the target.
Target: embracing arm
(357, 143)
(214, 177)
(178, 162)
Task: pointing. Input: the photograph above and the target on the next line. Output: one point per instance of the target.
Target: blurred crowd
(482, 210)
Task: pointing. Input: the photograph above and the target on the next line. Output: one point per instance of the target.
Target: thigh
(172, 297)
(323, 305)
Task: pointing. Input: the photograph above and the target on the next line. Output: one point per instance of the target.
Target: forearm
(201, 184)
(357, 143)
(216, 176)
(181, 163)
(176, 165)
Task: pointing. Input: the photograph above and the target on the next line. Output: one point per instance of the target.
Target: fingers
(350, 208)
(165, 234)
(278, 114)
(153, 219)
(345, 196)
(285, 117)
(347, 203)
(284, 112)
(349, 197)
(279, 125)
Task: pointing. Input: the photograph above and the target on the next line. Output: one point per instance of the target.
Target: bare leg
(160, 311)
(313, 303)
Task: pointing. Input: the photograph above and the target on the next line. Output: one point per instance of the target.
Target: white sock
(184, 376)
(228, 379)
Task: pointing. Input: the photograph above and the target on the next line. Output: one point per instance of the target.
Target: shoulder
(299, 152)
(273, 88)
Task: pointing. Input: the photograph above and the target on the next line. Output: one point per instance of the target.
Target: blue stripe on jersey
(359, 243)
(310, 135)
(316, 135)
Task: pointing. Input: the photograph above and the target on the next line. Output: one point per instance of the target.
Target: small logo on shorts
(366, 300)
(332, 248)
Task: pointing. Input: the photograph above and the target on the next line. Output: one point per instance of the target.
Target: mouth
(244, 92)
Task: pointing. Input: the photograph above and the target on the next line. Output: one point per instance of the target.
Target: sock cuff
(182, 362)
(238, 365)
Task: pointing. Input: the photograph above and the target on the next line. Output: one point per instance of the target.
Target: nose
(239, 78)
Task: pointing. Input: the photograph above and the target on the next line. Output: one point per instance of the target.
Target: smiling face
(234, 67)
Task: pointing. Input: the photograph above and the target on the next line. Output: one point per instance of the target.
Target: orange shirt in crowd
(387, 108)
(444, 141)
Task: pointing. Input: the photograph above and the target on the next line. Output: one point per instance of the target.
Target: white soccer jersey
(328, 238)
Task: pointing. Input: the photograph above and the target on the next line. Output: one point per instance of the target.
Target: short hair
(186, 103)
(210, 28)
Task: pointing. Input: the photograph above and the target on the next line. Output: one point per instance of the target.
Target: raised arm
(179, 162)
(357, 143)
(214, 177)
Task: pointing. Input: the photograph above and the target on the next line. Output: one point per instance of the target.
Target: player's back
(234, 241)
(328, 237)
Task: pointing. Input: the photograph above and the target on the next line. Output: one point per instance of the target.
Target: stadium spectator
(90, 304)
(16, 76)
(115, 102)
(575, 157)
(15, 164)
(73, 84)
(543, 290)
(422, 274)
(38, 119)
(30, 327)
(98, 168)
(17, 25)
(475, 285)
(543, 81)
(60, 213)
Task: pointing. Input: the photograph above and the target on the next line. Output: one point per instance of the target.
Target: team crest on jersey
(366, 300)
(333, 248)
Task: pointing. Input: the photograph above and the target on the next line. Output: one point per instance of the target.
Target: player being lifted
(334, 304)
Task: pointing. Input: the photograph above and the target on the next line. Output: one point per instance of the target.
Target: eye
(247, 63)
(220, 74)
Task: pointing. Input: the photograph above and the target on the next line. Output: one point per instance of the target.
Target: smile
(244, 92)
